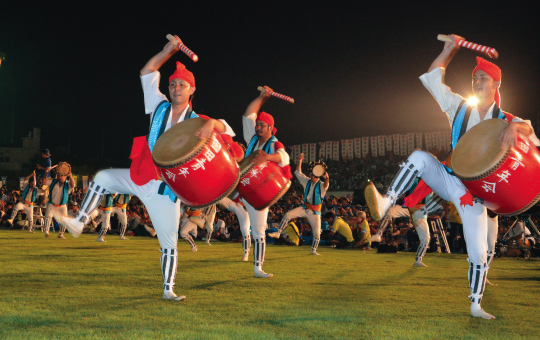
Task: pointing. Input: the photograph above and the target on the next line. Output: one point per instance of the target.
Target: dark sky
(73, 71)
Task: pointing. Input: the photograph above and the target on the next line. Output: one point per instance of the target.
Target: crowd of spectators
(349, 176)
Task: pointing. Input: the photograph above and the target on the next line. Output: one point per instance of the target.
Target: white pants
(188, 227)
(61, 210)
(105, 216)
(120, 214)
(164, 213)
(479, 230)
(28, 210)
(313, 219)
(241, 214)
(258, 220)
(421, 226)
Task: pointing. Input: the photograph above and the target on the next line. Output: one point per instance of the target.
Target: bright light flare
(472, 100)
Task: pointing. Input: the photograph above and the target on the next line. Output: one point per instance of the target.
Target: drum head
(246, 163)
(479, 150)
(179, 143)
(318, 170)
(63, 169)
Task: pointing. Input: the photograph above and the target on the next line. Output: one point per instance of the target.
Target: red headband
(182, 73)
(493, 71)
(268, 119)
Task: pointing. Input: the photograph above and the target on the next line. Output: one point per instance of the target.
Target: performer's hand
(509, 136)
(454, 44)
(301, 157)
(172, 45)
(259, 157)
(206, 130)
(266, 92)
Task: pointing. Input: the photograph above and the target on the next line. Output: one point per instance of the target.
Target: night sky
(74, 71)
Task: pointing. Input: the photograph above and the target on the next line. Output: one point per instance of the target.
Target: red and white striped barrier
(489, 51)
(186, 50)
(278, 95)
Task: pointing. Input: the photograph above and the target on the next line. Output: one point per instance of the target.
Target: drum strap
(461, 119)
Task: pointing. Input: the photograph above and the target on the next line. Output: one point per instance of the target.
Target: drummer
(259, 133)
(314, 192)
(59, 191)
(162, 205)
(479, 229)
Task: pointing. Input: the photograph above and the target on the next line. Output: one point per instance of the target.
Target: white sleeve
(152, 95)
(248, 124)
(447, 100)
(228, 130)
(284, 157)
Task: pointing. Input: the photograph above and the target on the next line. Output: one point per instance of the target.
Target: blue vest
(34, 193)
(65, 193)
(316, 199)
(157, 127)
(461, 120)
(267, 147)
(117, 198)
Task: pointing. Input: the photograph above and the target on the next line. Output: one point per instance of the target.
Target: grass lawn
(80, 289)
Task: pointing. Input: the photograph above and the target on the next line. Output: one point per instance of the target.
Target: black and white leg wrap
(315, 244)
(421, 251)
(189, 240)
(477, 281)
(434, 204)
(403, 181)
(246, 243)
(91, 201)
(169, 262)
(258, 251)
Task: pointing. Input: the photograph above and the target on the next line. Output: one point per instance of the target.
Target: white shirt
(58, 191)
(449, 101)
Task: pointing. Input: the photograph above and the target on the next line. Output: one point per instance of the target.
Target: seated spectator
(140, 225)
(290, 235)
(340, 234)
(361, 232)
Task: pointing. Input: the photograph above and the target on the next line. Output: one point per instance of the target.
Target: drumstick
(489, 51)
(278, 95)
(186, 50)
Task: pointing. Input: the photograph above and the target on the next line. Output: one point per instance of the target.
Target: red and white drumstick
(489, 51)
(278, 95)
(186, 50)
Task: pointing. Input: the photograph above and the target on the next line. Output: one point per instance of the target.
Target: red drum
(261, 185)
(199, 171)
(507, 180)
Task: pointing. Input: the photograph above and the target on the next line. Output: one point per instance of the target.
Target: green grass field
(79, 289)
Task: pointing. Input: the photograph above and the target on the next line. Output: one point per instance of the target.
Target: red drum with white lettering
(199, 171)
(507, 180)
(261, 185)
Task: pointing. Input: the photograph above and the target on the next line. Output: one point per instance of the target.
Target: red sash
(142, 169)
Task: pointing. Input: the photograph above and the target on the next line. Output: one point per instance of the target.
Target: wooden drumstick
(278, 95)
(489, 51)
(184, 49)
